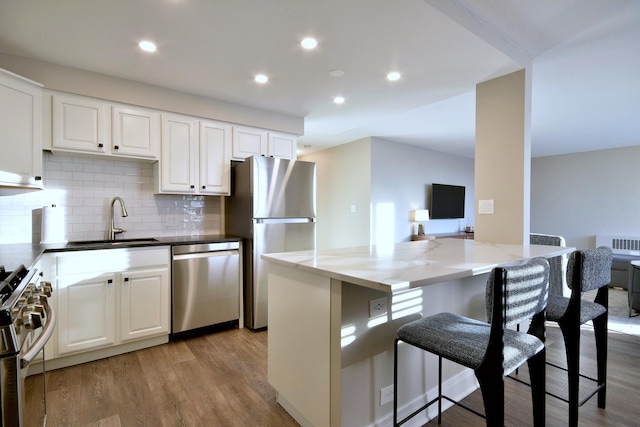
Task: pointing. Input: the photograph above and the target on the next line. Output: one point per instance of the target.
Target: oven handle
(42, 339)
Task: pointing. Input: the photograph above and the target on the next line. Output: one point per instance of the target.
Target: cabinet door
(215, 158)
(249, 141)
(144, 304)
(80, 124)
(135, 132)
(86, 312)
(282, 145)
(20, 132)
(179, 153)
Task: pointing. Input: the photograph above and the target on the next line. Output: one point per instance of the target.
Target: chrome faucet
(113, 230)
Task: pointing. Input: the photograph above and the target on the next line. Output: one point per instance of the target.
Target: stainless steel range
(26, 324)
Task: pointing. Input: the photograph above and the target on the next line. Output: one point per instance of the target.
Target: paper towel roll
(53, 227)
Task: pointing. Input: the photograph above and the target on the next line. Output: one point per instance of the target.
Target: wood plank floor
(220, 380)
(215, 380)
(623, 381)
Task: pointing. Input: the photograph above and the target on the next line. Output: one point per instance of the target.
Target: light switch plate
(485, 207)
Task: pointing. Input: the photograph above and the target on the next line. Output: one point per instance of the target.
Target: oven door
(33, 393)
(34, 409)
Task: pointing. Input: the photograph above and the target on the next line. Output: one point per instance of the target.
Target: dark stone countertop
(14, 254)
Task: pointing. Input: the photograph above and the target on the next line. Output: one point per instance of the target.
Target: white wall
(401, 176)
(581, 195)
(84, 187)
(385, 180)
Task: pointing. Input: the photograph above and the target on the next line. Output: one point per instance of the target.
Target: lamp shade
(420, 215)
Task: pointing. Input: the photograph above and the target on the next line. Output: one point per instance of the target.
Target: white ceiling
(585, 56)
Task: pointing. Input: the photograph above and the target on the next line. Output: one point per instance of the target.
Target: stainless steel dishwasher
(206, 282)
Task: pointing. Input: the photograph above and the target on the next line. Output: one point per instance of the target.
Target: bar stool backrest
(596, 268)
(557, 265)
(526, 291)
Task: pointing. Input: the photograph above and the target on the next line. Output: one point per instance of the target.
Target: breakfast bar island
(333, 315)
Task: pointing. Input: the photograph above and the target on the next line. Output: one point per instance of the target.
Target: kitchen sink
(107, 243)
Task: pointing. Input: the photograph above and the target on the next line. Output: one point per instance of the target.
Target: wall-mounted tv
(447, 201)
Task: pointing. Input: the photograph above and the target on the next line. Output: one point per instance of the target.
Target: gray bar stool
(514, 294)
(587, 270)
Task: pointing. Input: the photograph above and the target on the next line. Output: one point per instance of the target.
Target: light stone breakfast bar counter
(329, 360)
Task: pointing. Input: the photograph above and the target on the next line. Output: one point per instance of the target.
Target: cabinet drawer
(102, 260)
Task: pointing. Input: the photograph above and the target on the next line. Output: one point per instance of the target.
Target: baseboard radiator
(623, 245)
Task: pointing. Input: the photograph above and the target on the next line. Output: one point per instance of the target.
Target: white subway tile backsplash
(84, 187)
(61, 175)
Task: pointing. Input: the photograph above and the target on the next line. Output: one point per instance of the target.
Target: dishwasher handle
(205, 255)
(204, 247)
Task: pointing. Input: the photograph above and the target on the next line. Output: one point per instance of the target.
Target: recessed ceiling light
(339, 99)
(147, 46)
(336, 73)
(261, 78)
(393, 76)
(309, 43)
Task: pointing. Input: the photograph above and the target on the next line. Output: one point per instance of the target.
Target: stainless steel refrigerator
(273, 207)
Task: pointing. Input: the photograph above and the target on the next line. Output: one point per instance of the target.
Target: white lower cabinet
(144, 299)
(100, 310)
(86, 313)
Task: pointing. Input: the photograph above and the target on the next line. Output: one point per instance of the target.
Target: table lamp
(419, 216)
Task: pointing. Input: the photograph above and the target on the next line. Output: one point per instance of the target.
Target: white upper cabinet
(282, 145)
(80, 124)
(20, 131)
(93, 126)
(177, 166)
(215, 158)
(195, 158)
(248, 141)
(135, 132)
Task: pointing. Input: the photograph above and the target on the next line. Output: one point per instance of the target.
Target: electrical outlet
(172, 221)
(377, 307)
(386, 395)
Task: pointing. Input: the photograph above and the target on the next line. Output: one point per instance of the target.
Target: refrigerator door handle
(283, 220)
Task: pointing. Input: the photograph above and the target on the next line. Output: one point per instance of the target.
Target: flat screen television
(447, 201)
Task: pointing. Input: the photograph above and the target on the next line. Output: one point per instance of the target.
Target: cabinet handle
(109, 281)
(193, 186)
(38, 178)
(115, 147)
(204, 186)
(126, 279)
(100, 145)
